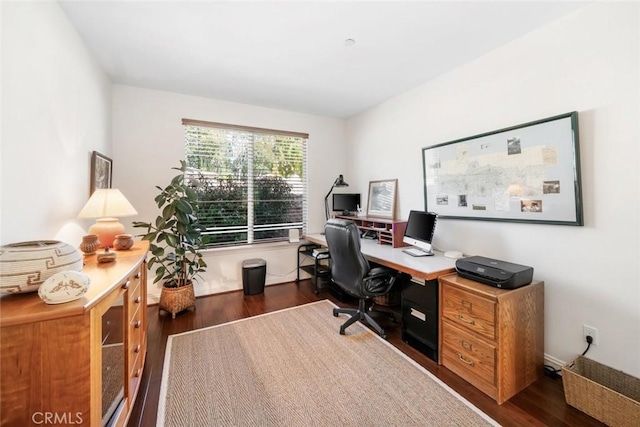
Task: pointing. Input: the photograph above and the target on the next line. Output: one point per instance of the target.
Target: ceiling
(292, 55)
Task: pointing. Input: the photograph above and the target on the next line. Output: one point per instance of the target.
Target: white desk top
(427, 267)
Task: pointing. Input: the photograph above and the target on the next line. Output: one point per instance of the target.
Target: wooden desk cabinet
(493, 338)
(77, 363)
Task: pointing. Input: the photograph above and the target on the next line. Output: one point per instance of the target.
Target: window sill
(258, 247)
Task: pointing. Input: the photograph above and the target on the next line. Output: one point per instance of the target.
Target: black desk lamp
(339, 182)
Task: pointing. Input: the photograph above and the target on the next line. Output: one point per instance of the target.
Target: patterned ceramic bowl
(64, 287)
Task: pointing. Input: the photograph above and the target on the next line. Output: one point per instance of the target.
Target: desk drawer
(420, 322)
(135, 375)
(135, 334)
(423, 293)
(462, 350)
(134, 299)
(469, 311)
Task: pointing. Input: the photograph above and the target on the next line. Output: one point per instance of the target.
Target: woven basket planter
(606, 394)
(175, 300)
(25, 266)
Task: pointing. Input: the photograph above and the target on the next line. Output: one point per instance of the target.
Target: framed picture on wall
(382, 198)
(101, 168)
(524, 173)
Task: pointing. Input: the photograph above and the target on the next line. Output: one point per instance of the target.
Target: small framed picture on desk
(382, 198)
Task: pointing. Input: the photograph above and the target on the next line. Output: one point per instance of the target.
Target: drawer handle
(126, 284)
(137, 349)
(466, 304)
(138, 372)
(469, 321)
(418, 314)
(137, 324)
(463, 360)
(137, 300)
(466, 345)
(137, 276)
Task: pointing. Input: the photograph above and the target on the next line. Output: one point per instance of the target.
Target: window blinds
(251, 182)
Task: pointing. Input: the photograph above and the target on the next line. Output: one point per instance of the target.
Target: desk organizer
(609, 395)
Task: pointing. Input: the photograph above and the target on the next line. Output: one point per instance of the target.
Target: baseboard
(206, 288)
(552, 361)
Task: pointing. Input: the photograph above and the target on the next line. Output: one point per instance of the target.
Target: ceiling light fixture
(349, 42)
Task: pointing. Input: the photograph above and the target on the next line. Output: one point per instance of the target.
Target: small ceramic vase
(123, 242)
(90, 244)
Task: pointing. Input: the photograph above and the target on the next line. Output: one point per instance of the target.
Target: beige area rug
(293, 368)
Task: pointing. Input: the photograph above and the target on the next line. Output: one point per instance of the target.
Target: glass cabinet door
(112, 362)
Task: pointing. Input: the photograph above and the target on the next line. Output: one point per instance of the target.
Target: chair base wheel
(359, 314)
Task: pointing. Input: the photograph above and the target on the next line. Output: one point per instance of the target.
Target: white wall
(148, 140)
(56, 105)
(589, 62)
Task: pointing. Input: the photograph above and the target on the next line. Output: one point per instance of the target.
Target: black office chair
(351, 271)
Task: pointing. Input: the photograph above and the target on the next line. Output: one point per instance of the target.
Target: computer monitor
(346, 202)
(420, 228)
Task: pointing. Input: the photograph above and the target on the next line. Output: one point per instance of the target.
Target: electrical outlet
(591, 332)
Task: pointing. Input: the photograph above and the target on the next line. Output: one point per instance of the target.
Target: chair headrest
(338, 223)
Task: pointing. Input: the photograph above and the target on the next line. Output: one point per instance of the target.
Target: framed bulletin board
(525, 173)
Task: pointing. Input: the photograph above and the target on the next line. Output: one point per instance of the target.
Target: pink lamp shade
(107, 204)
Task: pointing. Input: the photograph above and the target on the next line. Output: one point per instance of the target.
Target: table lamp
(339, 182)
(107, 204)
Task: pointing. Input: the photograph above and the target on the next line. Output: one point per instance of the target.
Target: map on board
(524, 173)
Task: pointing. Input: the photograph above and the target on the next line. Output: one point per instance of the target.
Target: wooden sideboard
(77, 363)
(491, 337)
(389, 231)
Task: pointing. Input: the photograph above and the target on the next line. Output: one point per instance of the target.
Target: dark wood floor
(541, 404)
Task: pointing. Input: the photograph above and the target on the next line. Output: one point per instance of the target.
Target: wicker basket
(390, 299)
(24, 266)
(606, 394)
(175, 300)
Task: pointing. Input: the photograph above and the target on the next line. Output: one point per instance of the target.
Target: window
(251, 182)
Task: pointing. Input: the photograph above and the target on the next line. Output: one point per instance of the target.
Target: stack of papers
(319, 251)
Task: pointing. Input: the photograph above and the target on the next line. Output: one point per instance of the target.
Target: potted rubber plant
(175, 243)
